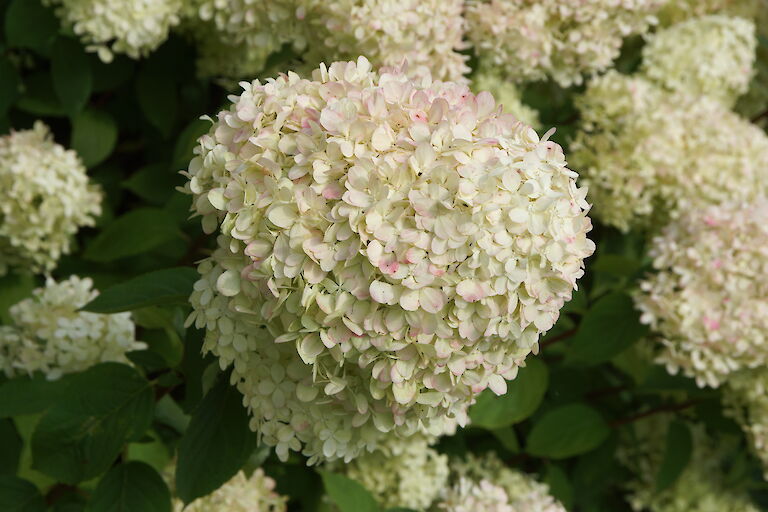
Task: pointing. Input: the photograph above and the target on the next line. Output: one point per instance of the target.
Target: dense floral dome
(486, 484)
(48, 334)
(240, 494)
(506, 94)
(131, 27)
(538, 39)
(712, 56)
(45, 197)
(643, 161)
(403, 473)
(707, 300)
(403, 245)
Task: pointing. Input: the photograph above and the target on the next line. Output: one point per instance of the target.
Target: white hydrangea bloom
(712, 56)
(708, 299)
(675, 11)
(506, 94)
(50, 335)
(370, 222)
(45, 197)
(746, 399)
(536, 39)
(700, 488)
(402, 473)
(132, 27)
(235, 37)
(426, 33)
(240, 494)
(647, 154)
(486, 484)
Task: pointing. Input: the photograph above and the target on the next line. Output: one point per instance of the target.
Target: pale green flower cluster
(746, 399)
(709, 56)
(707, 299)
(675, 11)
(506, 94)
(240, 494)
(538, 39)
(402, 244)
(48, 334)
(700, 488)
(486, 484)
(131, 27)
(402, 473)
(648, 154)
(45, 197)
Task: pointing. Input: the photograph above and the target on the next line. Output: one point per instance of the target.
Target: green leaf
(508, 438)
(28, 395)
(187, 141)
(153, 183)
(679, 446)
(17, 495)
(94, 134)
(80, 436)
(15, 287)
(523, 397)
(617, 265)
(559, 485)
(131, 486)
(158, 99)
(610, 326)
(349, 495)
(10, 447)
(216, 444)
(135, 232)
(10, 84)
(39, 98)
(29, 24)
(71, 74)
(567, 431)
(167, 286)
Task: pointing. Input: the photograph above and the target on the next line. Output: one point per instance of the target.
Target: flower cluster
(486, 484)
(240, 494)
(536, 39)
(644, 164)
(45, 197)
(700, 488)
(132, 27)
(50, 335)
(403, 473)
(425, 33)
(506, 94)
(402, 245)
(712, 56)
(746, 399)
(707, 300)
(675, 11)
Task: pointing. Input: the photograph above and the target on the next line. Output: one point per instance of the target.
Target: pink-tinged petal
(497, 384)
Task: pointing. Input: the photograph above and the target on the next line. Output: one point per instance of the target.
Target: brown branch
(565, 335)
(655, 410)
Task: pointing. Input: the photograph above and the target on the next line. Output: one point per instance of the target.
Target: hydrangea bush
(383, 256)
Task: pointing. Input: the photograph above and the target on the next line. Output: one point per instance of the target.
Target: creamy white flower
(648, 155)
(700, 488)
(131, 27)
(486, 484)
(536, 39)
(707, 300)
(712, 56)
(506, 94)
(240, 494)
(402, 473)
(404, 244)
(45, 197)
(425, 33)
(48, 333)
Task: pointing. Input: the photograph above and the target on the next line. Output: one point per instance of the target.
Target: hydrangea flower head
(131, 27)
(711, 56)
(486, 484)
(707, 300)
(538, 39)
(648, 154)
(45, 197)
(240, 494)
(402, 243)
(50, 335)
